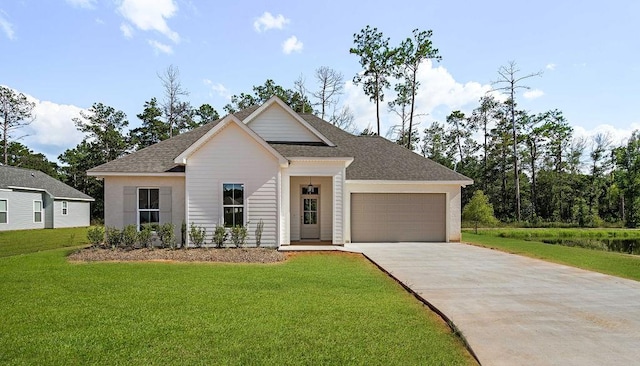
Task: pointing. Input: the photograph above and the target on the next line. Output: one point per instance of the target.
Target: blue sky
(68, 54)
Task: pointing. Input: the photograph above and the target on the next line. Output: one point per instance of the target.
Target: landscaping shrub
(114, 237)
(259, 229)
(145, 237)
(130, 237)
(220, 235)
(167, 236)
(183, 235)
(239, 235)
(95, 235)
(197, 235)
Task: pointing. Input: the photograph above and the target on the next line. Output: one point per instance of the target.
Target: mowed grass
(29, 241)
(312, 309)
(617, 264)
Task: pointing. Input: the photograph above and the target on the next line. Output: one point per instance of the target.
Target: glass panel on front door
(310, 211)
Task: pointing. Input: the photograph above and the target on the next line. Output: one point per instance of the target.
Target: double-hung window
(4, 211)
(233, 204)
(65, 208)
(148, 206)
(37, 211)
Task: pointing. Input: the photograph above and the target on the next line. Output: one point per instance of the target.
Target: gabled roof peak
(274, 100)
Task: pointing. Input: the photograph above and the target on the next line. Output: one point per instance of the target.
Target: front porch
(312, 203)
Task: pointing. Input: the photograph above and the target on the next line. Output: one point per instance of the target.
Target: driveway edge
(433, 308)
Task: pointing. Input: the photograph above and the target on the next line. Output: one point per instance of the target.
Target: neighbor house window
(233, 204)
(148, 206)
(37, 211)
(65, 207)
(4, 211)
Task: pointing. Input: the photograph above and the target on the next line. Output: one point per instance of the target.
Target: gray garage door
(396, 217)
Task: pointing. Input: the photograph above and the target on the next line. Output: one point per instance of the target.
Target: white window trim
(34, 212)
(7, 211)
(138, 210)
(244, 202)
(65, 208)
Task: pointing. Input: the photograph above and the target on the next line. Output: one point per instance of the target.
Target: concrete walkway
(514, 310)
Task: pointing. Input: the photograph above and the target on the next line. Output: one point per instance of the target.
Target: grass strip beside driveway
(312, 309)
(616, 264)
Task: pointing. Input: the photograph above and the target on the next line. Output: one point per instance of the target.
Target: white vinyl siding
(4, 211)
(20, 210)
(275, 124)
(233, 156)
(78, 214)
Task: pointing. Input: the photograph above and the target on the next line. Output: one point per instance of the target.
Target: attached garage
(398, 217)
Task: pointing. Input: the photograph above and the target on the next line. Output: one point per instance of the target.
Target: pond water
(629, 246)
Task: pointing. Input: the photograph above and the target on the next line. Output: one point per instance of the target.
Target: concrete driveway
(514, 310)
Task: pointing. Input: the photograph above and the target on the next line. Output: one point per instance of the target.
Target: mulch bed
(226, 255)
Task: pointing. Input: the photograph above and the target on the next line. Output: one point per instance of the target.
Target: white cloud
(551, 66)
(85, 4)
(218, 88)
(267, 21)
(439, 94)
(160, 47)
(52, 130)
(126, 29)
(292, 44)
(619, 136)
(6, 26)
(150, 15)
(533, 94)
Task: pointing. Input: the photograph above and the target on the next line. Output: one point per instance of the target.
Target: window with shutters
(148, 206)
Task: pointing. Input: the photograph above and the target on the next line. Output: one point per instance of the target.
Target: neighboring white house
(304, 178)
(30, 199)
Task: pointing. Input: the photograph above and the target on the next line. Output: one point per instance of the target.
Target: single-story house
(302, 177)
(30, 199)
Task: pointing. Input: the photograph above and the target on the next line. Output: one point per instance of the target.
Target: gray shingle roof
(27, 178)
(375, 158)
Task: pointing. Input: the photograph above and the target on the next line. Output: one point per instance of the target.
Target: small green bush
(197, 235)
(167, 236)
(130, 237)
(220, 235)
(183, 235)
(259, 230)
(145, 237)
(239, 235)
(114, 237)
(95, 235)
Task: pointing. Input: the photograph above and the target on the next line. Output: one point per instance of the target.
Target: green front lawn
(312, 309)
(617, 264)
(29, 241)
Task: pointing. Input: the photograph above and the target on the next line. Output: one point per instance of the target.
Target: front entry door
(310, 213)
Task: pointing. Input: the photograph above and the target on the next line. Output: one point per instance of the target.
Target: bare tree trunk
(515, 156)
(413, 101)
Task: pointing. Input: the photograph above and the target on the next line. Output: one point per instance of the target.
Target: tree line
(530, 165)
